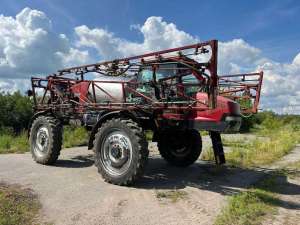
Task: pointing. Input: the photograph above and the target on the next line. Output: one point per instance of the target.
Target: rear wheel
(180, 148)
(121, 151)
(45, 139)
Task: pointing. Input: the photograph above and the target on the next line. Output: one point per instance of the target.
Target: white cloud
(281, 86)
(238, 56)
(13, 85)
(29, 45)
(280, 91)
(157, 35)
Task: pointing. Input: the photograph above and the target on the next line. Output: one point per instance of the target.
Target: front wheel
(121, 151)
(45, 139)
(180, 148)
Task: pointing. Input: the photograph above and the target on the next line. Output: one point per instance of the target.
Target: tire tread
(141, 146)
(55, 134)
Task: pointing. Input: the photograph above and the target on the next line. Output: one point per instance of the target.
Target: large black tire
(180, 148)
(45, 139)
(121, 151)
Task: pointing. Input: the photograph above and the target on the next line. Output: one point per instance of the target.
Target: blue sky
(271, 25)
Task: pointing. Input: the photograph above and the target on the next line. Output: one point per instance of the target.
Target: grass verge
(252, 206)
(10, 143)
(14, 144)
(17, 206)
(207, 154)
(264, 151)
(149, 135)
(247, 208)
(74, 136)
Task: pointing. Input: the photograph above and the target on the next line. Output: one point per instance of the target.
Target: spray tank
(110, 89)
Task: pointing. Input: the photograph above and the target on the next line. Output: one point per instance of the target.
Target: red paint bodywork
(224, 106)
(81, 90)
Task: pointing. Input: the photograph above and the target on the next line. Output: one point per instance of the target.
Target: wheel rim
(41, 141)
(116, 153)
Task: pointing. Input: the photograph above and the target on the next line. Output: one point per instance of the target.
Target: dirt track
(72, 192)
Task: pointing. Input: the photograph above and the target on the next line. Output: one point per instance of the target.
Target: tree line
(15, 112)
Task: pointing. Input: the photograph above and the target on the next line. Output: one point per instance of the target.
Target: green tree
(15, 111)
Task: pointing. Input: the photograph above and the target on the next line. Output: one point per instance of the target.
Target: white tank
(109, 92)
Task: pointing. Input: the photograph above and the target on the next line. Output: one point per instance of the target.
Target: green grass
(204, 133)
(173, 195)
(74, 136)
(237, 143)
(254, 205)
(276, 137)
(10, 143)
(149, 135)
(17, 206)
(14, 144)
(207, 154)
(247, 208)
(250, 207)
(263, 151)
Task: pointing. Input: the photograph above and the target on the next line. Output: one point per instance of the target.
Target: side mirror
(29, 93)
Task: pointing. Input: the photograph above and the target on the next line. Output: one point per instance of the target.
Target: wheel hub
(41, 140)
(117, 151)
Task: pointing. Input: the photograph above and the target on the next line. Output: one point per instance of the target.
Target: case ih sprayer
(175, 93)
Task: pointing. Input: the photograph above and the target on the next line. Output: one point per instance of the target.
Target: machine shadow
(225, 180)
(203, 175)
(79, 161)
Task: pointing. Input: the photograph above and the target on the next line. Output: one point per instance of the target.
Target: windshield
(163, 71)
(190, 79)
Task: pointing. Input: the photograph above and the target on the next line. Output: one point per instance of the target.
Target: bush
(269, 121)
(248, 123)
(15, 111)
